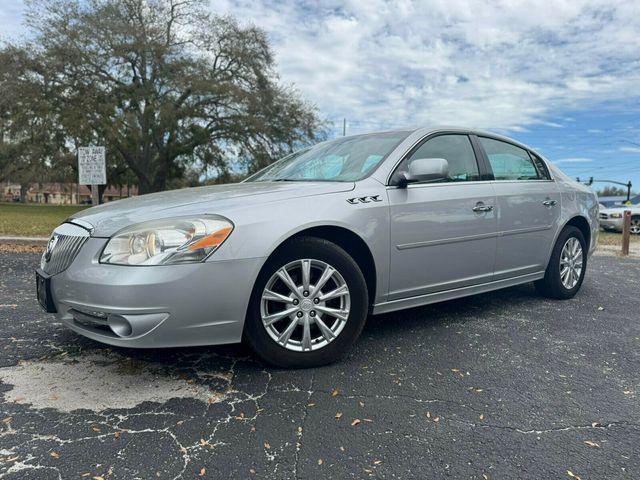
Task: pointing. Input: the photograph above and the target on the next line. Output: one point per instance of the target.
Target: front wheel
(308, 306)
(567, 266)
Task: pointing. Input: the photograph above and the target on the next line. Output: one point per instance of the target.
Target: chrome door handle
(483, 208)
(549, 203)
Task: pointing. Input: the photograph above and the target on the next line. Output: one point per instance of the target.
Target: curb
(16, 240)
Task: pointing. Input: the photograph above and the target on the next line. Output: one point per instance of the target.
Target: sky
(562, 76)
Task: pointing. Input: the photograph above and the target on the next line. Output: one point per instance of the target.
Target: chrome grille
(64, 245)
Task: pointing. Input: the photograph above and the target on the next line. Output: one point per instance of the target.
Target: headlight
(168, 241)
(615, 215)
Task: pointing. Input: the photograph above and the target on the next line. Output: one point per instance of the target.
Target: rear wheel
(635, 225)
(308, 306)
(567, 266)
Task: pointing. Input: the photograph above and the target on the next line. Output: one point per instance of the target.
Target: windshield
(342, 160)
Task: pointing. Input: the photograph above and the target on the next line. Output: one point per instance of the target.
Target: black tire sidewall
(552, 281)
(318, 249)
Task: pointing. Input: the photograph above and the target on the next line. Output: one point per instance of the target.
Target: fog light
(120, 325)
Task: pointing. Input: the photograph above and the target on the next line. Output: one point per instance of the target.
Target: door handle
(549, 203)
(482, 208)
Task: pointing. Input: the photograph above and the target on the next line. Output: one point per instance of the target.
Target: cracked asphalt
(502, 385)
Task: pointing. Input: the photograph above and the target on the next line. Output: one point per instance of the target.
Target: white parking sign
(91, 166)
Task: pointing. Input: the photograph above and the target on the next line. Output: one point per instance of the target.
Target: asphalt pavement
(501, 385)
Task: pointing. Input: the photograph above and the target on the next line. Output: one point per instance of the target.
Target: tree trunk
(23, 193)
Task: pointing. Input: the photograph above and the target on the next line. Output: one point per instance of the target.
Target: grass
(33, 220)
(615, 238)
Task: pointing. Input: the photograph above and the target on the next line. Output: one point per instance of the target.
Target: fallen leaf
(361, 403)
(98, 477)
(267, 445)
(591, 444)
(320, 462)
(7, 420)
(355, 422)
(600, 308)
(311, 404)
(95, 429)
(367, 420)
(117, 434)
(203, 471)
(377, 462)
(55, 454)
(437, 419)
(482, 416)
(334, 393)
(338, 415)
(594, 424)
(342, 449)
(428, 414)
(252, 471)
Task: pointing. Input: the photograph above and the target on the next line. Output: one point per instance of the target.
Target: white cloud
(630, 149)
(491, 64)
(11, 12)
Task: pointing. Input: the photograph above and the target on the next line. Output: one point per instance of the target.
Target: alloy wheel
(571, 263)
(305, 305)
(635, 226)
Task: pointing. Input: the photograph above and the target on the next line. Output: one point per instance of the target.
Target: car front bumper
(611, 223)
(154, 306)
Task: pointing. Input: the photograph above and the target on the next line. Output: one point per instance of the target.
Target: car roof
(422, 131)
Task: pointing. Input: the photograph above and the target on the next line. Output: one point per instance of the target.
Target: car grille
(604, 216)
(65, 243)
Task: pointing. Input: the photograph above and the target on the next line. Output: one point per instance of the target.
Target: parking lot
(501, 385)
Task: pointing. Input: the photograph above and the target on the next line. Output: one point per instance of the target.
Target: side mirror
(424, 170)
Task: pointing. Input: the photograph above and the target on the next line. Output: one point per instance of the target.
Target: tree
(168, 87)
(30, 139)
(610, 191)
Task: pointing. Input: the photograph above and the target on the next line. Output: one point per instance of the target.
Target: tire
(552, 285)
(635, 225)
(316, 345)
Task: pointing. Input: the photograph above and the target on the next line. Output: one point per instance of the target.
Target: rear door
(442, 234)
(528, 208)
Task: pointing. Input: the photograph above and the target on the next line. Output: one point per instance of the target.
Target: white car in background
(611, 219)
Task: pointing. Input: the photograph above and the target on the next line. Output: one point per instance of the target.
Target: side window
(509, 162)
(543, 171)
(455, 149)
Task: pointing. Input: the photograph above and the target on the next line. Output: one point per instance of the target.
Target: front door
(443, 235)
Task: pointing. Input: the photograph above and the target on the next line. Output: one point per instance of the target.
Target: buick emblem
(50, 246)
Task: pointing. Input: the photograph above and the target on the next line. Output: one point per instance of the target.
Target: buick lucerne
(294, 258)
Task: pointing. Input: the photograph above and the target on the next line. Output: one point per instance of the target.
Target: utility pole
(344, 127)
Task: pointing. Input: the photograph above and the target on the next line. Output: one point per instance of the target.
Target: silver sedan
(294, 258)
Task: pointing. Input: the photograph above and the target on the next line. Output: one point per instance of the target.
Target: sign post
(92, 170)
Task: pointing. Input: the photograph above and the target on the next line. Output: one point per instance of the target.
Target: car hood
(620, 209)
(107, 219)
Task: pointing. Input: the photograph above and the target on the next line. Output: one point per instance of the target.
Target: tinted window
(509, 162)
(455, 149)
(543, 171)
